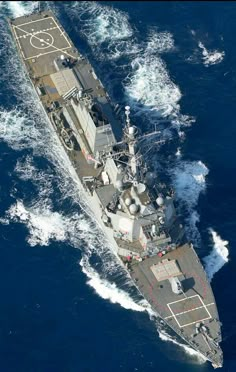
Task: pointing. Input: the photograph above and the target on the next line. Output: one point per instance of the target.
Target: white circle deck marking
(43, 40)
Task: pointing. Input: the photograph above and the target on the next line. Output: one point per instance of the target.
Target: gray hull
(190, 310)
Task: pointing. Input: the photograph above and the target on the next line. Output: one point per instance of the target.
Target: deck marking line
(187, 311)
(173, 315)
(53, 46)
(37, 20)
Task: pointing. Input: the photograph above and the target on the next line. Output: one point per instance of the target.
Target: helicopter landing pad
(39, 37)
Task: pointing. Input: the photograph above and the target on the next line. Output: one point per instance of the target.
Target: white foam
(107, 290)
(21, 8)
(218, 256)
(102, 24)
(18, 130)
(212, 57)
(160, 42)
(189, 180)
(43, 224)
(178, 153)
(191, 352)
(149, 89)
(149, 84)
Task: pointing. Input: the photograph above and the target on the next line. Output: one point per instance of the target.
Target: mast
(131, 132)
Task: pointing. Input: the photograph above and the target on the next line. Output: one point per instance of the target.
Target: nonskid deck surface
(40, 40)
(41, 37)
(181, 311)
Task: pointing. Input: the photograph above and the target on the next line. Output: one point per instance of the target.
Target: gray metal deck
(40, 39)
(182, 312)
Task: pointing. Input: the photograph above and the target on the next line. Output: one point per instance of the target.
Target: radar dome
(133, 208)
(141, 188)
(128, 202)
(105, 218)
(160, 201)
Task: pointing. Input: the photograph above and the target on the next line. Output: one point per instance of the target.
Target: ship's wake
(218, 257)
(164, 336)
(189, 181)
(149, 89)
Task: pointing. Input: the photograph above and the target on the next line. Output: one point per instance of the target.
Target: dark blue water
(65, 304)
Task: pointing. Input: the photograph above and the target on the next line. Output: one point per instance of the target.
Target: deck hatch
(165, 270)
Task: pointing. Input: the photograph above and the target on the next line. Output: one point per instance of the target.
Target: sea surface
(66, 304)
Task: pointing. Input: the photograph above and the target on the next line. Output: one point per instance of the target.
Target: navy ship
(134, 209)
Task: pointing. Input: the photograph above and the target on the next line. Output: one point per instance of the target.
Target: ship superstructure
(135, 210)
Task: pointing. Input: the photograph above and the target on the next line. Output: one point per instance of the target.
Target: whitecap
(149, 89)
(21, 8)
(189, 181)
(105, 28)
(219, 255)
(149, 86)
(160, 42)
(211, 57)
(43, 224)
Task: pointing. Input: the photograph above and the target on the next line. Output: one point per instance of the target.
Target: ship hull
(180, 312)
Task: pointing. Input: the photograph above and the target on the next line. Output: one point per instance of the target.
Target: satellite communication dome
(128, 202)
(141, 188)
(160, 201)
(133, 208)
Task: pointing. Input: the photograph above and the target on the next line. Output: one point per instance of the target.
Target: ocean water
(66, 304)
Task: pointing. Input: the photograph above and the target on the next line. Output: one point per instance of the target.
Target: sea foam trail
(107, 290)
(21, 8)
(160, 42)
(212, 57)
(45, 225)
(189, 181)
(105, 28)
(218, 256)
(149, 88)
(149, 83)
(191, 352)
